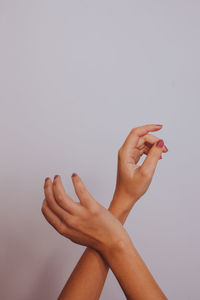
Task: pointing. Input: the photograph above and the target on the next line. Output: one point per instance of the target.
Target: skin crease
(88, 223)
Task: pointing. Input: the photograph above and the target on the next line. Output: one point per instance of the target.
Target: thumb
(81, 191)
(151, 160)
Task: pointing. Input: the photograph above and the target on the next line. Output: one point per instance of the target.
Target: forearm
(89, 275)
(87, 279)
(131, 272)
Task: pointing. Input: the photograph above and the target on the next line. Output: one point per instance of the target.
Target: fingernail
(46, 179)
(74, 174)
(56, 176)
(161, 157)
(158, 125)
(160, 143)
(166, 148)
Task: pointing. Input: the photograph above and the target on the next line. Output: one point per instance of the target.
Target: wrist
(119, 213)
(116, 246)
(121, 204)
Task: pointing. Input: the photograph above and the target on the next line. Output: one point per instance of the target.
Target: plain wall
(75, 78)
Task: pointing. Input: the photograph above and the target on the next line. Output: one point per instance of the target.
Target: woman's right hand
(133, 180)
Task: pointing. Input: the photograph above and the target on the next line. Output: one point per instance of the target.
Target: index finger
(61, 197)
(137, 132)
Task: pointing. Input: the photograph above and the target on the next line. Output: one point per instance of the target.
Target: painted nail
(74, 174)
(56, 176)
(46, 179)
(160, 143)
(158, 125)
(166, 148)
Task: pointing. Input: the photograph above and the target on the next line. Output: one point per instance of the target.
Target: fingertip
(56, 180)
(159, 125)
(166, 149)
(74, 175)
(74, 178)
(160, 143)
(155, 128)
(46, 181)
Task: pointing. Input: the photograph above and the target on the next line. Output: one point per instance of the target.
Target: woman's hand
(86, 222)
(90, 224)
(133, 180)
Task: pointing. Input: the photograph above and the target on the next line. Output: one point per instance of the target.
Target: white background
(75, 78)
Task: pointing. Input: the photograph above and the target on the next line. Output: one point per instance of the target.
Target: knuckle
(81, 188)
(133, 130)
(71, 222)
(61, 229)
(43, 209)
(148, 177)
(145, 173)
(48, 201)
(120, 152)
(94, 210)
(59, 199)
(46, 188)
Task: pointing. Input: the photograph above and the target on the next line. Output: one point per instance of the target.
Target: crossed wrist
(116, 245)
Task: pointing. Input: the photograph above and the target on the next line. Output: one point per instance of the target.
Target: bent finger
(136, 133)
(152, 158)
(81, 191)
(51, 202)
(52, 218)
(61, 197)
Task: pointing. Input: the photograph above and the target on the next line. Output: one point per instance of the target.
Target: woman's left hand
(86, 222)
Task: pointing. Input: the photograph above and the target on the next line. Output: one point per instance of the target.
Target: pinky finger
(53, 219)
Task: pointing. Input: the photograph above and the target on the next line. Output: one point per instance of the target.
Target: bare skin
(88, 277)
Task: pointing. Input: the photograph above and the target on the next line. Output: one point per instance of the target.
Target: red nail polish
(158, 125)
(56, 176)
(74, 174)
(46, 179)
(166, 148)
(160, 143)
